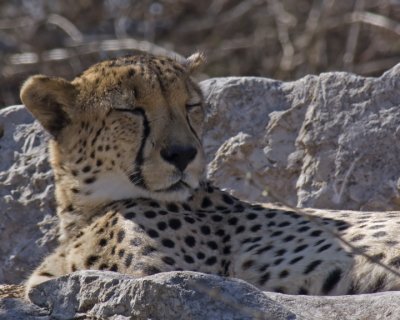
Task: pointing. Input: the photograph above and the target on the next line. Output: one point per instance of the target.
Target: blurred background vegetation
(281, 39)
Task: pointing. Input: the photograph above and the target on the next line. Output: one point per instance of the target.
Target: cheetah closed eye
(132, 196)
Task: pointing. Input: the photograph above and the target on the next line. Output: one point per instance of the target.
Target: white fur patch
(111, 186)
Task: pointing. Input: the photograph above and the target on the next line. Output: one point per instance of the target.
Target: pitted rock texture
(327, 141)
(170, 295)
(185, 295)
(27, 207)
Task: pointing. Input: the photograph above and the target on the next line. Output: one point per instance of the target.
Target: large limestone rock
(327, 141)
(27, 222)
(172, 295)
(185, 295)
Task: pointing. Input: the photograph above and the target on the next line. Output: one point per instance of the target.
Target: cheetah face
(129, 127)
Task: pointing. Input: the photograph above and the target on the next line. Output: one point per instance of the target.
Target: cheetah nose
(179, 156)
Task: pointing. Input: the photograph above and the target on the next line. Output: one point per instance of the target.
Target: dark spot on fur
(130, 215)
(280, 252)
(212, 245)
(168, 260)
(297, 259)
(152, 233)
(264, 278)
(255, 228)
(136, 242)
(190, 241)
(283, 274)
(331, 281)
(168, 243)
(91, 260)
(200, 255)
(251, 216)
(189, 220)
(114, 221)
(325, 247)
(150, 270)
(210, 261)
(161, 225)
(150, 214)
(86, 168)
(174, 224)
(206, 203)
(89, 180)
(188, 259)
(128, 260)
(315, 233)
(395, 262)
(172, 207)
(233, 221)
(284, 224)
(205, 230)
(240, 229)
(247, 264)
(379, 234)
(303, 291)
(120, 236)
(216, 218)
(114, 268)
(357, 237)
(227, 199)
(264, 249)
(288, 238)
(311, 267)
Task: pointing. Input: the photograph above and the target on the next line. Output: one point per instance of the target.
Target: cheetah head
(126, 128)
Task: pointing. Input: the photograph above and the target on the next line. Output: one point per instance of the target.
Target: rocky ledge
(327, 141)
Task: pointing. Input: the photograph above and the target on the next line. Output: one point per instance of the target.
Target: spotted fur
(132, 197)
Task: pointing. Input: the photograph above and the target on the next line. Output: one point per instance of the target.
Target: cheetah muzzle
(132, 196)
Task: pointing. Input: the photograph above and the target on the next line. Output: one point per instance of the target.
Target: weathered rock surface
(327, 141)
(185, 295)
(166, 296)
(377, 306)
(27, 222)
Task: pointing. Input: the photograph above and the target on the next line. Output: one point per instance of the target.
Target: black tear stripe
(191, 129)
(137, 178)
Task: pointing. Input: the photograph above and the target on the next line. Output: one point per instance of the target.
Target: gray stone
(377, 306)
(170, 295)
(27, 222)
(18, 309)
(327, 141)
(185, 295)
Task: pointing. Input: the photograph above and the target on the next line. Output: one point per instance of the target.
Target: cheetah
(132, 195)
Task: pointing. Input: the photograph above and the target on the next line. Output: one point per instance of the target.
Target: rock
(185, 295)
(170, 295)
(18, 309)
(27, 207)
(327, 141)
(376, 306)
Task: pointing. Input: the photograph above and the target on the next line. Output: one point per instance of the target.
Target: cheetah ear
(195, 61)
(50, 100)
